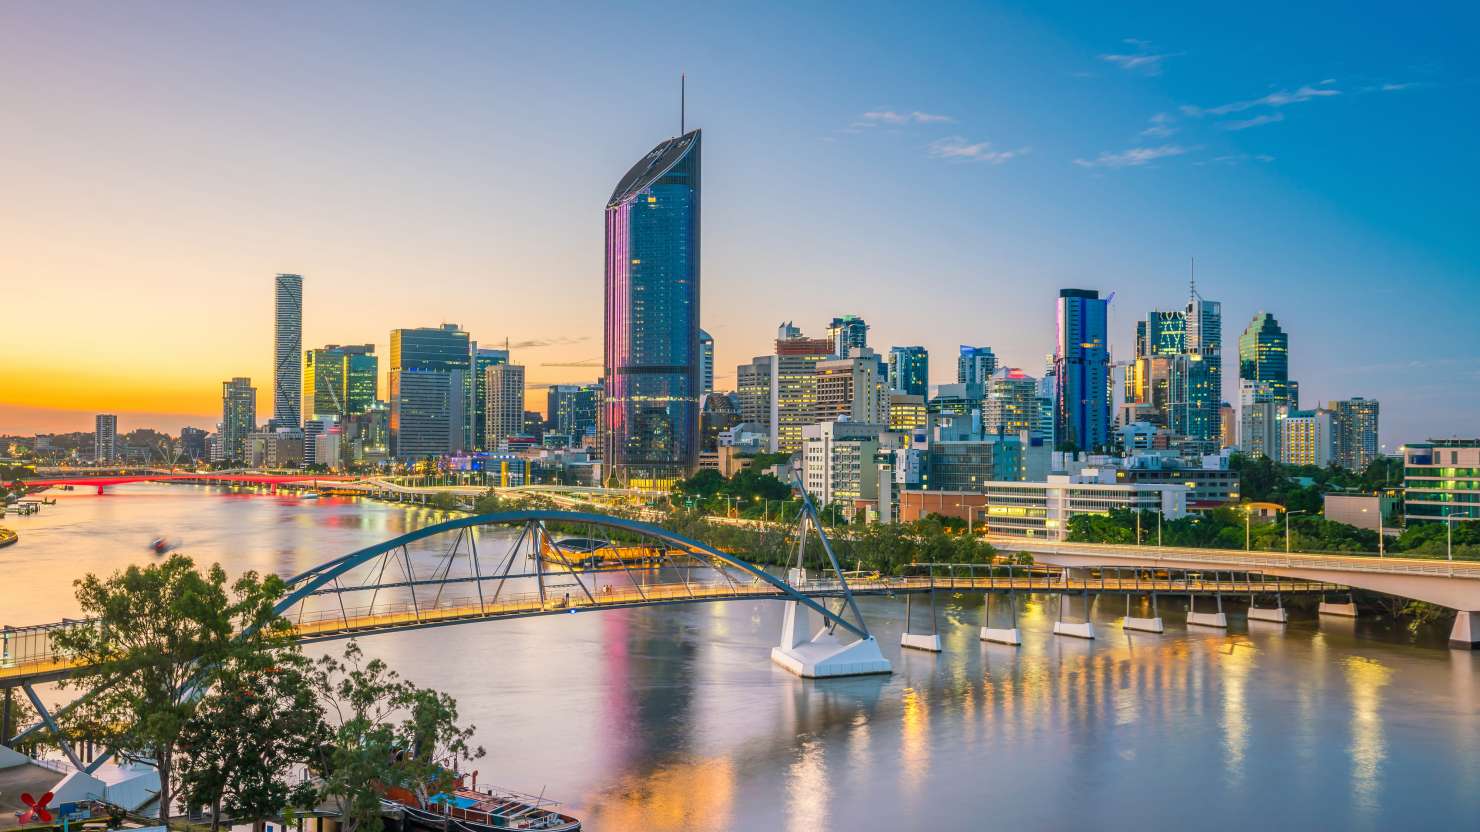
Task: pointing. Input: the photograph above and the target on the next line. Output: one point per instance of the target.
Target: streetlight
(1449, 535)
(1247, 545)
(1287, 527)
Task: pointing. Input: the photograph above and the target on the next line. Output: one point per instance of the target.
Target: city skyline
(1352, 273)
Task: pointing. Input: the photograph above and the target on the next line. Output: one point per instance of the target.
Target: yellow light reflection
(1366, 678)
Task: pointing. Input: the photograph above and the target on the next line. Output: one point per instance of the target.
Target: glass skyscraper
(1082, 370)
(975, 365)
(1264, 359)
(238, 415)
(846, 333)
(652, 356)
(340, 380)
(287, 380)
(909, 371)
(429, 401)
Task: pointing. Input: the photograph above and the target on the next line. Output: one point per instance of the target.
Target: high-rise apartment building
(794, 387)
(429, 402)
(482, 358)
(571, 409)
(706, 363)
(1264, 359)
(340, 380)
(504, 384)
(909, 371)
(287, 341)
(105, 438)
(238, 416)
(1307, 438)
(1011, 406)
(650, 403)
(1082, 370)
(1354, 422)
(847, 333)
(975, 365)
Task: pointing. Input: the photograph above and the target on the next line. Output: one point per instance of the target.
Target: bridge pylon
(809, 647)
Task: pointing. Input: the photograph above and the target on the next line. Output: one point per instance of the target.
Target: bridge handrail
(1348, 563)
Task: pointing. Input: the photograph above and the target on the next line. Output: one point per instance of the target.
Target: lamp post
(1247, 535)
(1449, 536)
(1287, 528)
(1158, 529)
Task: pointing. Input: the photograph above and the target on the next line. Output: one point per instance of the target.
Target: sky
(941, 172)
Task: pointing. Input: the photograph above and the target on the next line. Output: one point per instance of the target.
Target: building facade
(852, 389)
(1044, 509)
(794, 388)
(909, 371)
(105, 438)
(1307, 438)
(1082, 370)
(652, 358)
(287, 341)
(481, 359)
(571, 410)
(340, 380)
(706, 363)
(238, 416)
(975, 365)
(1264, 360)
(843, 462)
(1441, 481)
(1011, 405)
(846, 333)
(428, 380)
(1354, 445)
(504, 404)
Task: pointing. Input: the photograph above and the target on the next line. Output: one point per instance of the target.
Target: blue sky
(941, 171)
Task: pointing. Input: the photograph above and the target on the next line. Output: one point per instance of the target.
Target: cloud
(1161, 126)
(1143, 60)
(1245, 124)
(560, 340)
(1236, 158)
(1281, 98)
(956, 148)
(585, 362)
(1135, 157)
(873, 118)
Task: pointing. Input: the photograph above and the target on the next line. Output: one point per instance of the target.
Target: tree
(360, 697)
(240, 746)
(445, 501)
(489, 503)
(429, 739)
(155, 637)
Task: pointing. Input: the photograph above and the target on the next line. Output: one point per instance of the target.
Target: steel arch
(306, 583)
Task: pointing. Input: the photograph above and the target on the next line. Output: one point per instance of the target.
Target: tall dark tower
(650, 408)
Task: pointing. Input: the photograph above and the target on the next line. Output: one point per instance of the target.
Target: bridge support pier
(823, 655)
(1145, 625)
(1076, 629)
(1466, 632)
(1276, 615)
(1000, 635)
(1206, 619)
(920, 641)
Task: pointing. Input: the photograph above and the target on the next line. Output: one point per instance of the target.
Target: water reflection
(1366, 678)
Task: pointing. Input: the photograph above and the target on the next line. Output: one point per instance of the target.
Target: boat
(594, 553)
(470, 809)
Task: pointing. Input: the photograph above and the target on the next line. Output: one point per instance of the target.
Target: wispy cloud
(1237, 158)
(1144, 59)
(585, 362)
(1160, 127)
(559, 340)
(874, 118)
(958, 149)
(1245, 124)
(1134, 157)
(1394, 86)
(1280, 98)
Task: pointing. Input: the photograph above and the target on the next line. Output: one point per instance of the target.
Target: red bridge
(272, 480)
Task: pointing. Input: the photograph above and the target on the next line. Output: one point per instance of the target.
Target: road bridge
(204, 477)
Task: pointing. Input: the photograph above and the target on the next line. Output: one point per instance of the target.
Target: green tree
(430, 739)
(155, 635)
(445, 501)
(360, 699)
(489, 503)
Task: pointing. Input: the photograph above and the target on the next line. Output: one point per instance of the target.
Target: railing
(1242, 557)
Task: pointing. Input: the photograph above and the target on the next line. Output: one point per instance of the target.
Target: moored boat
(469, 809)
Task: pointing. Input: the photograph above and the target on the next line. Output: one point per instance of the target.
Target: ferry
(593, 553)
(470, 809)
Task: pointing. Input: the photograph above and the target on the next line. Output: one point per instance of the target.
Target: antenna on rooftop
(1192, 284)
(682, 101)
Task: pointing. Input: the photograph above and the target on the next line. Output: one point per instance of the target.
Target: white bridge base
(1344, 610)
(1145, 625)
(1077, 629)
(1208, 619)
(1009, 635)
(916, 641)
(823, 655)
(1466, 632)
(1278, 614)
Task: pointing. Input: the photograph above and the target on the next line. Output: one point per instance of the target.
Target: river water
(673, 718)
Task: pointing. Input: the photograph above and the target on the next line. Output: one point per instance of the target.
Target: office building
(650, 404)
(844, 462)
(706, 363)
(1011, 405)
(1374, 512)
(852, 389)
(287, 378)
(1082, 370)
(340, 380)
(1264, 359)
(105, 438)
(504, 407)
(279, 448)
(238, 416)
(571, 410)
(909, 371)
(975, 365)
(753, 390)
(482, 358)
(1227, 426)
(1204, 380)
(1042, 510)
(428, 377)
(907, 414)
(1354, 446)
(847, 333)
(970, 464)
(1259, 420)
(1441, 481)
(1306, 438)
(193, 444)
(958, 400)
(793, 396)
(719, 413)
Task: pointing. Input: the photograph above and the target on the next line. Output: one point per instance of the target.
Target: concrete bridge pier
(1276, 615)
(1076, 629)
(1207, 619)
(1347, 610)
(1001, 635)
(823, 654)
(1145, 625)
(920, 641)
(1466, 632)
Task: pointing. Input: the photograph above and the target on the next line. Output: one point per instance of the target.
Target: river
(673, 718)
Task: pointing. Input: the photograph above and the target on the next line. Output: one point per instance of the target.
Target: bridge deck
(36, 662)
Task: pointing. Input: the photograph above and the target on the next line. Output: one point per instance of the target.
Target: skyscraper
(909, 371)
(851, 389)
(504, 384)
(482, 358)
(571, 409)
(1204, 384)
(429, 402)
(846, 332)
(1264, 358)
(1354, 433)
(340, 380)
(975, 365)
(105, 438)
(287, 381)
(238, 416)
(1012, 405)
(652, 358)
(1306, 437)
(706, 363)
(1082, 370)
